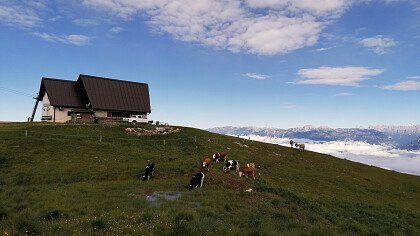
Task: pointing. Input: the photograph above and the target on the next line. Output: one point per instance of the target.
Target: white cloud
(414, 77)
(232, 24)
(379, 44)
(377, 155)
(16, 15)
(256, 76)
(86, 22)
(322, 49)
(317, 8)
(344, 76)
(343, 94)
(116, 30)
(75, 39)
(405, 85)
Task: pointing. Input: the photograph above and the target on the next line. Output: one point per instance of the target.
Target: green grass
(61, 179)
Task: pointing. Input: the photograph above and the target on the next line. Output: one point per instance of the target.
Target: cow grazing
(231, 164)
(206, 164)
(248, 170)
(250, 165)
(196, 181)
(219, 156)
(301, 147)
(148, 172)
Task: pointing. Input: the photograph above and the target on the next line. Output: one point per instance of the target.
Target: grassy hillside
(84, 179)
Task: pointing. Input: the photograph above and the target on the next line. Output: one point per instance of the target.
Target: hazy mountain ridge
(412, 146)
(403, 137)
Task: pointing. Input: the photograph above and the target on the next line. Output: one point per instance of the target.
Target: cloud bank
(18, 15)
(343, 94)
(344, 76)
(75, 39)
(251, 26)
(379, 44)
(405, 85)
(376, 155)
(256, 76)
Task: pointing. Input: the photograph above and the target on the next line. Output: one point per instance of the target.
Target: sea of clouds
(376, 155)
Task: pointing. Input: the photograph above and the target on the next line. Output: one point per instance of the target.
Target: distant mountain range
(401, 137)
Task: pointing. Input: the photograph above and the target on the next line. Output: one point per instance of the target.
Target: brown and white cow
(301, 147)
(206, 164)
(219, 156)
(248, 169)
(250, 165)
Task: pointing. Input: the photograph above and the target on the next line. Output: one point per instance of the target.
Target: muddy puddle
(158, 196)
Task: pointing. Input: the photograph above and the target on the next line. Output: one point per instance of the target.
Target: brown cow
(250, 165)
(219, 156)
(247, 170)
(301, 147)
(206, 164)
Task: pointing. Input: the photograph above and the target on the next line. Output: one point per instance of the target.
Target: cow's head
(240, 173)
(214, 156)
(190, 187)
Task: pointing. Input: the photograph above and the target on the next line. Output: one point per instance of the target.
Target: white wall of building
(101, 113)
(53, 114)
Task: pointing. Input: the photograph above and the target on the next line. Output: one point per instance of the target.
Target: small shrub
(228, 207)
(53, 215)
(184, 224)
(184, 217)
(254, 221)
(22, 179)
(26, 225)
(146, 218)
(183, 228)
(3, 214)
(99, 224)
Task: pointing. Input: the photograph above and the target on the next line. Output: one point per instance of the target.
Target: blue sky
(276, 63)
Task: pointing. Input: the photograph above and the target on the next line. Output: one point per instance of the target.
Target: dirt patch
(233, 181)
(157, 130)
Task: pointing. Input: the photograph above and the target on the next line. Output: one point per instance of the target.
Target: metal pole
(164, 142)
(195, 138)
(26, 133)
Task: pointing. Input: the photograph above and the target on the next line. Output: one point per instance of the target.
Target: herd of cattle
(300, 146)
(197, 180)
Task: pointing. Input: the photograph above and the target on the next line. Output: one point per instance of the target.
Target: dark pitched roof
(62, 93)
(118, 95)
(101, 93)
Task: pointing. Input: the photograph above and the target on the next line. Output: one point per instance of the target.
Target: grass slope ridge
(86, 179)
